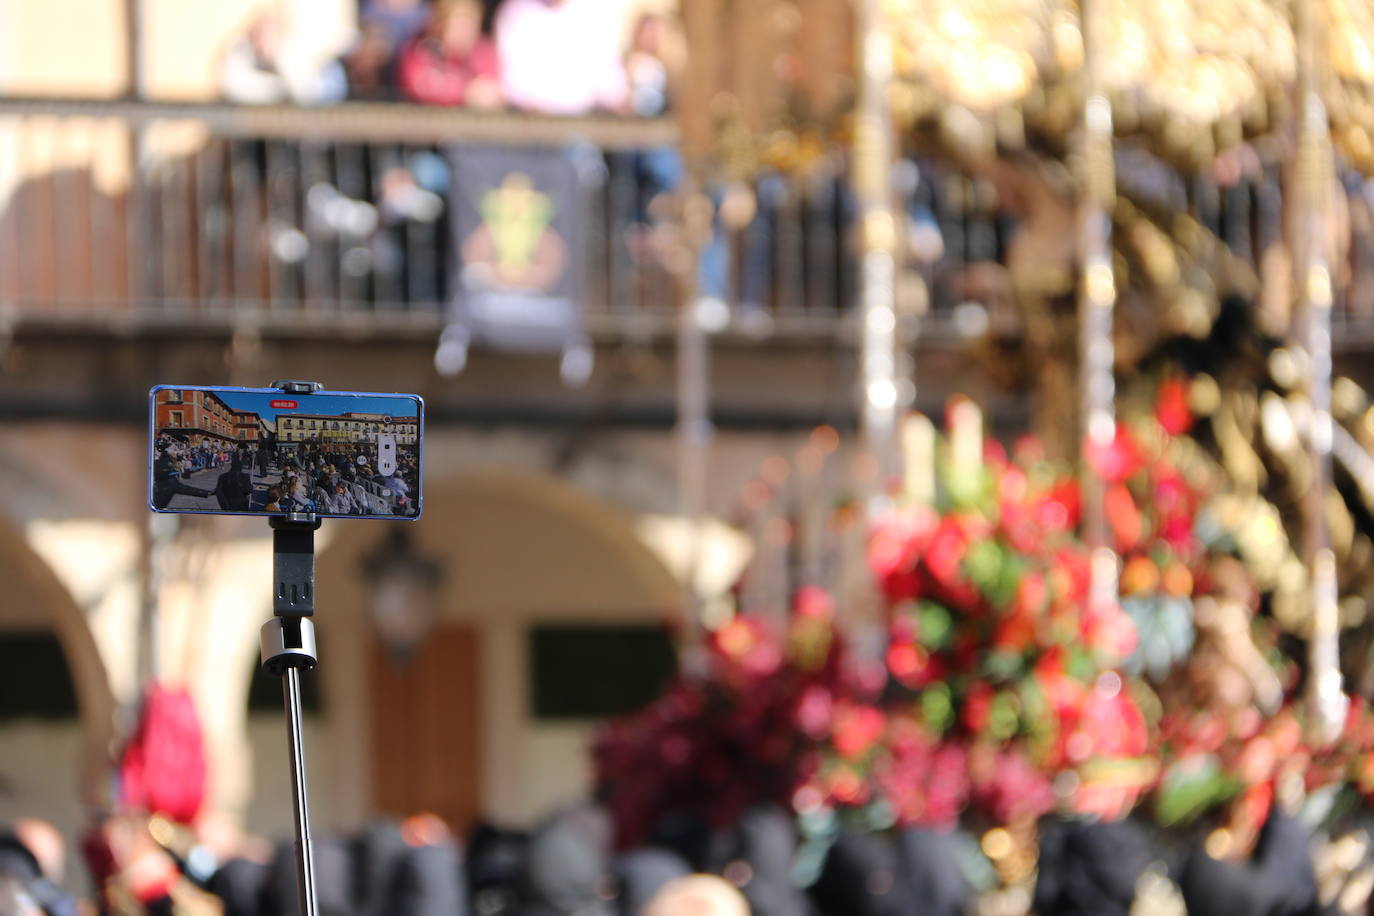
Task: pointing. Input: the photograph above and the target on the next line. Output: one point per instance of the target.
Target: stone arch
(28, 576)
(518, 548)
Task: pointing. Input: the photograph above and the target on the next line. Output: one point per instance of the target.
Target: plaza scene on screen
(245, 451)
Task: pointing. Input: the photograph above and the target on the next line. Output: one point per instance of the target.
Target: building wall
(525, 538)
(41, 767)
(79, 47)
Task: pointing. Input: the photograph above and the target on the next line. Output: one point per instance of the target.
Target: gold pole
(1097, 298)
(882, 394)
(702, 23)
(1325, 697)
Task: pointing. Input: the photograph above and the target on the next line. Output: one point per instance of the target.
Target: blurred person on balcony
(652, 65)
(652, 62)
(262, 68)
(369, 65)
(561, 56)
(451, 62)
(402, 20)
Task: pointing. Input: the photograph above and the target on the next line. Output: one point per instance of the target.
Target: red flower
(1123, 516)
(1177, 532)
(977, 706)
(745, 650)
(857, 729)
(846, 786)
(1171, 407)
(897, 542)
(913, 665)
(945, 556)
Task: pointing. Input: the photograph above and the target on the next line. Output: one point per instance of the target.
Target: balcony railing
(334, 220)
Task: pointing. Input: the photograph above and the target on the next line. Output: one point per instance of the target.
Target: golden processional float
(1053, 96)
(1082, 119)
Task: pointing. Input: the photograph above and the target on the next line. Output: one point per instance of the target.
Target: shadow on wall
(193, 227)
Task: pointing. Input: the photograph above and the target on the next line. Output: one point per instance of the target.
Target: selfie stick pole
(288, 647)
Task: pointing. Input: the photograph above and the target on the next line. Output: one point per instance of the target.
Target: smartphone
(265, 451)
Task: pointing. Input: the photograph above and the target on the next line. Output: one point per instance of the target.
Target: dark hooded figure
(933, 876)
(568, 869)
(764, 845)
(429, 881)
(640, 875)
(496, 862)
(332, 888)
(239, 885)
(689, 836)
(862, 876)
(377, 853)
(1089, 869)
(19, 865)
(167, 482)
(1277, 881)
(235, 485)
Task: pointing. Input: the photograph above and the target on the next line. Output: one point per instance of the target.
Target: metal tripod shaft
(300, 801)
(288, 646)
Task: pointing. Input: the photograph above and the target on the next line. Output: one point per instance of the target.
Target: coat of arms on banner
(519, 270)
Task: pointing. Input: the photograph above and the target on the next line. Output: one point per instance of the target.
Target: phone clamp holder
(288, 639)
(292, 386)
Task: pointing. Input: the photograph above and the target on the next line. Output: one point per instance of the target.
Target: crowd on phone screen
(565, 57)
(571, 865)
(331, 479)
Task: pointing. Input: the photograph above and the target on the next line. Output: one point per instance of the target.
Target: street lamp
(403, 583)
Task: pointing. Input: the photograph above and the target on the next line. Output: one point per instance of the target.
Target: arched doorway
(58, 717)
(522, 554)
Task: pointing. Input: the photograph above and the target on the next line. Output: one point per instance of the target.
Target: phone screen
(263, 451)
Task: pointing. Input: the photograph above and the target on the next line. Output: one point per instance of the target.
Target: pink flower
(1114, 724)
(813, 712)
(1117, 460)
(814, 602)
(1111, 632)
(1009, 788)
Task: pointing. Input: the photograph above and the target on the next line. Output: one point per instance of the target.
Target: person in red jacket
(451, 62)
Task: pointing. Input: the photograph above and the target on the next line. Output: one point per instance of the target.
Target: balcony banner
(519, 272)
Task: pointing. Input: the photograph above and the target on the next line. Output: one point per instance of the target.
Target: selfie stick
(288, 647)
